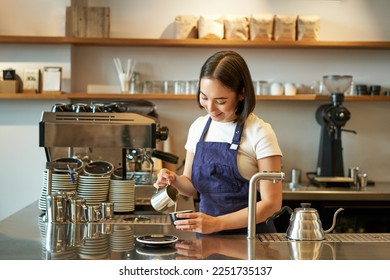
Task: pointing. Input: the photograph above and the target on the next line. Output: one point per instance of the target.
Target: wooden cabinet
(358, 216)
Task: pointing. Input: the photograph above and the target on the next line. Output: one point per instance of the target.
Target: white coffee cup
(290, 89)
(276, 89)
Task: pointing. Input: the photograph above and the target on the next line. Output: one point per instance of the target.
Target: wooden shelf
(106, 96)
(32, 96)
(119, 96)
(198, 43)
(190, 43)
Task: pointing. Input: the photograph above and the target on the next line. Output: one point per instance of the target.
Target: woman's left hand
(197, 222)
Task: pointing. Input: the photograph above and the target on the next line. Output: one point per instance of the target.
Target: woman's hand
(197, 222)
(165, 177)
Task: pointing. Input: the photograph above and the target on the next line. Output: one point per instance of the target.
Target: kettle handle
(278, 213)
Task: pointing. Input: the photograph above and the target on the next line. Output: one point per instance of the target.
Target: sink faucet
(275, 177)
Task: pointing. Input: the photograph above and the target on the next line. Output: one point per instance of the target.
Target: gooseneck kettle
(305, 223)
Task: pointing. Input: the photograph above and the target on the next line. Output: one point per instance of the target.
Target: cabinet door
(357, 217)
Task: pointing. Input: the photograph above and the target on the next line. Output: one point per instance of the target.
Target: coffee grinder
(332, 117)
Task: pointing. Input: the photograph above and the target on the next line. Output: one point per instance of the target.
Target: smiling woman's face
(219, 101)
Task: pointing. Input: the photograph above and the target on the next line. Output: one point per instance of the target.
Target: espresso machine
(332, 117)
(123, 133)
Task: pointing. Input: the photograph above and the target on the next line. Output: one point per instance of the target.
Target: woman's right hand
(164, 177)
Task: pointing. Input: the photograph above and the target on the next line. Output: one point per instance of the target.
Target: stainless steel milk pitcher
(56, 207)
(77, 210)
(56, 237)
(93, 213)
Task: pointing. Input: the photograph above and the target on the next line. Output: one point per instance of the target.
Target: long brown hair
(230, 69)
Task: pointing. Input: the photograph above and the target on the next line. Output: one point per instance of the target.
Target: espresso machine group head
(332, 117)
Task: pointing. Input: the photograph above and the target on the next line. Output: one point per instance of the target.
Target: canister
(107, 209)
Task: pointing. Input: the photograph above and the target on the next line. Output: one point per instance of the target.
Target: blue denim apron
(221, 187)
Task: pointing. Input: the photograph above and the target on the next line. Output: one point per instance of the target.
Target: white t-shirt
(258, 140)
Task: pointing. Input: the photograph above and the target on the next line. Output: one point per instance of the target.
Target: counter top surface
(26, 236)
(379, 192)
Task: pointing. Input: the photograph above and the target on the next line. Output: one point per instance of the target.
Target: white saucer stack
(97, 248)
(122, 238)
(122, 193)
(94, 189)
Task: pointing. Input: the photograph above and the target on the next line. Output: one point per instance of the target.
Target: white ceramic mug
(276, 89)
(290, 89)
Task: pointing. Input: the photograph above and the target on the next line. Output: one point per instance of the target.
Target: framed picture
(52, 78)
(31, 80)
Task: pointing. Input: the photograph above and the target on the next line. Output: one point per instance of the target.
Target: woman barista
(224, 149)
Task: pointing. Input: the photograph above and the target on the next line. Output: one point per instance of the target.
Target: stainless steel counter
(25, 236)
(379, 192)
